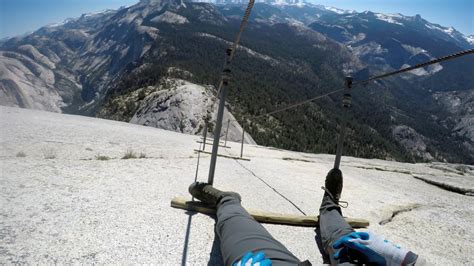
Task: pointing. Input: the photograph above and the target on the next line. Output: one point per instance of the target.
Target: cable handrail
(299, 103)
(437, 60)
(222, 91)
(235, 44)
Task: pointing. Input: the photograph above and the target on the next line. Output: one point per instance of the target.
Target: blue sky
(20, 16)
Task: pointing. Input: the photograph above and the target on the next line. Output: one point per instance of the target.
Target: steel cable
(234, 45)
(437, 60)
(244, 22)
(298, 104)
(228, 61)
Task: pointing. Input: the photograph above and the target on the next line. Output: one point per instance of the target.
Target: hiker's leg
(332, 225)
(239, 233)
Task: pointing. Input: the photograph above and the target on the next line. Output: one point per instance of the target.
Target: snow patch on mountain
(449, 31)
(434, 68)
(57, 24)
(470, 39)
(429, 70)
(414, 50)
(99, 13)
(437, 27)
(389, 18)
(426, 71)
(338, 10)
(279, 2)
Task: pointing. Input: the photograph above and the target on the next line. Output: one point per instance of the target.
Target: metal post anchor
(204, 137)
(220, 114)
(227, 133)
(242, 144)
(346, 104)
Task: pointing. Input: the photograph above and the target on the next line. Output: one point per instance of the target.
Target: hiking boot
(209, 194)
(333, 185)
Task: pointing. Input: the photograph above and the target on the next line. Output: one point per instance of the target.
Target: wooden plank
(212, 140)
(264, 217)
(225, 156)
(210, 144)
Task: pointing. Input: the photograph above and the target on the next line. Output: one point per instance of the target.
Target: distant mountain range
(116, 64)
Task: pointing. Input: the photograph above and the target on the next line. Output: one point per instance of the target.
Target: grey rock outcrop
(460, 108)
(411, 141)
(181, 106)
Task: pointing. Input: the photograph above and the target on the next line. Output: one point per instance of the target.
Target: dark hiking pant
(332, 226)
(239, 233)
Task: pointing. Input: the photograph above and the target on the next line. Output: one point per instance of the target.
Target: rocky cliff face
(70, 66)
(182, 106)
(460, 114)
(28, 80)
(412, 141)
(177, 105)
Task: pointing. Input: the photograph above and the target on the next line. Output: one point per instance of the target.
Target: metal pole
(346, 104)
(220, 115)
(227, 133)
(242, 144)
(204, 137)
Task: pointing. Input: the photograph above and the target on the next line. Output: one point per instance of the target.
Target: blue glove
(373, 248)
(257, 259)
